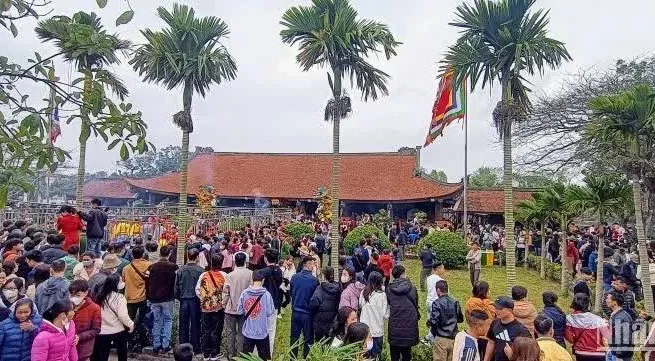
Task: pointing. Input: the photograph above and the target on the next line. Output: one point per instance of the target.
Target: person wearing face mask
(352, 289)
(54, 289)
(87, 318)
(110, 266)
(56, 339)
(11, 292)
(359, 332)
(116, 322)
(87, 268)
(18, 331)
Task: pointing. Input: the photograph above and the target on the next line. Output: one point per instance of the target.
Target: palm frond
(330, 34)
(113, 82)
(501, 40)
(188, 51)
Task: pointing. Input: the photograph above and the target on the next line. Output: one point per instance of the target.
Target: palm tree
(83, 41)
(602, 195)
(534, 211)
(504, 41)
(330, 34)
(624, 121)
(188, 53)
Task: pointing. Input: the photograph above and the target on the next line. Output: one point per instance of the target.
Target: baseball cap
(504, 302)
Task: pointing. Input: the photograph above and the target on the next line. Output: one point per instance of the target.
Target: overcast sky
(275, 107)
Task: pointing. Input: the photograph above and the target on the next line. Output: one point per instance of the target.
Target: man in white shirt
(437, 271)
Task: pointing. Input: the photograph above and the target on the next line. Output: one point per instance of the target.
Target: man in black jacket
(427, 260)
(185, 291)
(96, 220)
(54, 250)
(160, 293)
(272, 281)
(320, 241)
(621, 328)
(446, 313)
(403, 315)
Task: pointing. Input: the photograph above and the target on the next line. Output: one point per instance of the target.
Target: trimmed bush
(553, 270)
(298, 230)
(357, 234)
(450, 248)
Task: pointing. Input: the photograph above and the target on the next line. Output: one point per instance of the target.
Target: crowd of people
(58, 302)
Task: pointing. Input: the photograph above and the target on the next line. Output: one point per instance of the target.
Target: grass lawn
(460, 289)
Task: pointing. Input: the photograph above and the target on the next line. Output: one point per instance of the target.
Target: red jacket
(386, 264)
(88, 320)
(572, 252)
(585, 332)
(70, 226)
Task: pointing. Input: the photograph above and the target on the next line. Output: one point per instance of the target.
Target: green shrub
(451, 248)
(357, 234)
(553, 271)
(297, 230)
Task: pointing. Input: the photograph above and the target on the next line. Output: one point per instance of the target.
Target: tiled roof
(363, 176)
(108, 188)
(490, 201)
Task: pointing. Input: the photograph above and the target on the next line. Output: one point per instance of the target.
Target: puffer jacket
(525, 313)
(15, 344)
(350, 295)
(403, 313)
(53, 344)
(88, 321)
(446, 313)
(325, 304)
(559, 323)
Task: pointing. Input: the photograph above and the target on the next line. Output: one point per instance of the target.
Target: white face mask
(345, 279)
(10, 295)
(77, 300)
(121, 285)
(87, 263)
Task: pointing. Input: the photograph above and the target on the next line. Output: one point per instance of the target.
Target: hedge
(553, 270)
(357, 234)
(450, 248)
(298, 230)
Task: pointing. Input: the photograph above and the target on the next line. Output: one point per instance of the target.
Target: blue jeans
(163, 325)
(93, 245)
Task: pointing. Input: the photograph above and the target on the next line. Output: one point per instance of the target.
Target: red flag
(449, 105)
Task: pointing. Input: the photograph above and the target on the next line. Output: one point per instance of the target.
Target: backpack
(211, 292)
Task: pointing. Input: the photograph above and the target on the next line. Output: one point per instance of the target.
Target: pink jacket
(53, 344)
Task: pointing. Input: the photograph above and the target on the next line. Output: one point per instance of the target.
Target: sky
(273, 106)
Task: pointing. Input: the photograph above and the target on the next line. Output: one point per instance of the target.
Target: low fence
(158, 223)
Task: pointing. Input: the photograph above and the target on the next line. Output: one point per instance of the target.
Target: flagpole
(53, 94)
(466, 114)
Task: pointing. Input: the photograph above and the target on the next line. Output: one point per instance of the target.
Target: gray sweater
(236, 282)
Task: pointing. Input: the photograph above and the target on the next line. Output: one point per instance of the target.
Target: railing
(156, 221)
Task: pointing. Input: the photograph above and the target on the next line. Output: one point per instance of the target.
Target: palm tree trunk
(600, 268)
(564, 260)
(543, 250)
(508, 180)
(81, 169)
(334, 227)
(84, 131)
(183, 213)
(642, 246)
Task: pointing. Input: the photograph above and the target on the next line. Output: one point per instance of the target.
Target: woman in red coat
(70, 225)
